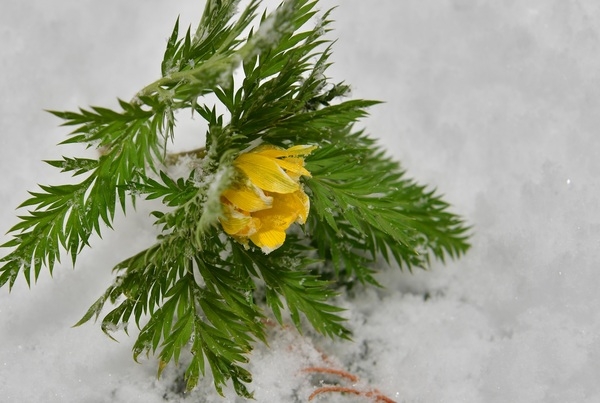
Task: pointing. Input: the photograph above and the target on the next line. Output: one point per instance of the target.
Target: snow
(493, 103)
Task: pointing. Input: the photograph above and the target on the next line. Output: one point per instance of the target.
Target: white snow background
(495, 103)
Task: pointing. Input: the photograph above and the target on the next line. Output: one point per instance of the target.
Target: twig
(374, 393)
(341, 389)
(334, 371)
(173, 157)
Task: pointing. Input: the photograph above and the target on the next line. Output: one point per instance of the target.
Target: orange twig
(379, 397)
(333, 371)
(340, 389)
(373, 394)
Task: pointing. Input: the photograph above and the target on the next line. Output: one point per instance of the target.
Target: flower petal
(302, 203)
(248, 198)
(268, 240)
(237, 223)
(293, 165)
(281, 215)
(287, 209)
(265, 173)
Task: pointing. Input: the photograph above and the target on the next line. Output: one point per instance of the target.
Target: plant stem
(172, 158)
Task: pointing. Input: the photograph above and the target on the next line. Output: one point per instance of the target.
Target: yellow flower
(267, 197)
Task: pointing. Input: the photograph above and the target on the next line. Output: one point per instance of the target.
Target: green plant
(224, 232)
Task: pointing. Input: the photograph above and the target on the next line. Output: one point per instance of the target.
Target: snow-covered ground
(495, 103)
